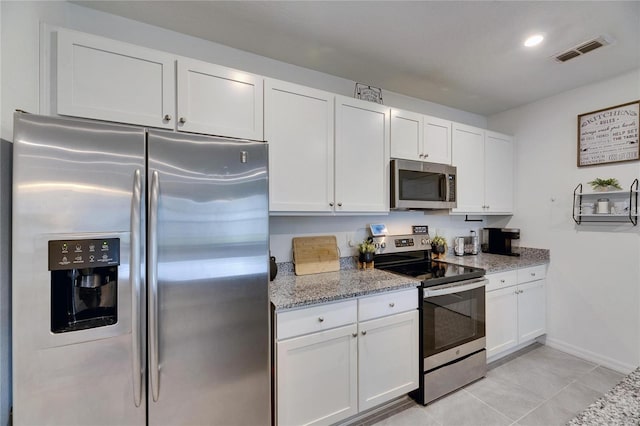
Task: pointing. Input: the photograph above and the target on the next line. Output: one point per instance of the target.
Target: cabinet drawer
(532, 273)
(316, 318)
(387, 304)
(501, 280)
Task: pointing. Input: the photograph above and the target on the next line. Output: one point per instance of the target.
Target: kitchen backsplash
(355, 228)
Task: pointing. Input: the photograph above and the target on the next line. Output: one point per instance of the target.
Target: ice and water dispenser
(84, 283)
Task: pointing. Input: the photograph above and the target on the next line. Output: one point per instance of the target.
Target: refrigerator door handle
(134, 273)
(153, 286)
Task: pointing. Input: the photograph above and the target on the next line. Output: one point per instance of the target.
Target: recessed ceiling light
(534, 40)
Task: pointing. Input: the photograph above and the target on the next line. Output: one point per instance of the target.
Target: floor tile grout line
(494, 409)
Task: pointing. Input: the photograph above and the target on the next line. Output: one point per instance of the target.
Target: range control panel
(79, 254)
(400, 243)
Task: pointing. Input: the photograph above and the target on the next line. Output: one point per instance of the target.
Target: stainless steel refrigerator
(140, 276)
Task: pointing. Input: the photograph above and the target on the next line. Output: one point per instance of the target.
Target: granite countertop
(291, 291)
(493, 263)
(620, 406)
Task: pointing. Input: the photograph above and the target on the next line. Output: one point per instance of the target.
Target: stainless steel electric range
(452, 313)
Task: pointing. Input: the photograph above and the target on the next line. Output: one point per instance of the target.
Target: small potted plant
(439, 247)
(366, 250)
(601, 185)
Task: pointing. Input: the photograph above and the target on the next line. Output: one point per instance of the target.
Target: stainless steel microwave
(418, 185)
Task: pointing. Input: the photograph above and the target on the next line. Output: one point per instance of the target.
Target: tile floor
(540, 387)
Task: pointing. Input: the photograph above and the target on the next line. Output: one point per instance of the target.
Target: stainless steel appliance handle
(449, 289)
(135, 276)
(154, 371)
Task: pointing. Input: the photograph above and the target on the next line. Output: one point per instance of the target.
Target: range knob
(376, 245)
(383, 245)
(423, 242)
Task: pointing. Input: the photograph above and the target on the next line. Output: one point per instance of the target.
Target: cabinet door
(532, 311)
(467, 156)
(317, 381)
(113, 81)
(437, 140)
(406, 135)
(387, 358)
(220, 101)
(361, 156)
(502, 320)
(498, 154)
(299, 129)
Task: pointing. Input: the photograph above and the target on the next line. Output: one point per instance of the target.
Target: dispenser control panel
(79, 254)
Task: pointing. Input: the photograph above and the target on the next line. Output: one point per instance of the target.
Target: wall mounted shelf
(623, 205)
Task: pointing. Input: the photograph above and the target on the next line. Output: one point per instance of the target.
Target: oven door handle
(449, 289)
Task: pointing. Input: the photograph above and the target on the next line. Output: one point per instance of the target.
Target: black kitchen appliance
(452, 314)
(501, 241)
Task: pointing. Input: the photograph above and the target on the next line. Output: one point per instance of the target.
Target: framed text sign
(609, 135)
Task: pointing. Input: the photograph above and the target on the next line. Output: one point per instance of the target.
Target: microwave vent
(584, 48)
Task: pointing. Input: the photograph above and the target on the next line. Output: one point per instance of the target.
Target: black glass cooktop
(432, 272)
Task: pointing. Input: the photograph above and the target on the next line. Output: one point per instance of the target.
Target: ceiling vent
(583, 48)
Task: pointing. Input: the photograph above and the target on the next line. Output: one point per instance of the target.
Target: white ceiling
(464, 54)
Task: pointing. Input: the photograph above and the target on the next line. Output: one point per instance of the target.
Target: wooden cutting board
(312, 255)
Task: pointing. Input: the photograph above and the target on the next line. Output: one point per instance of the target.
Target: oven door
(453, 321)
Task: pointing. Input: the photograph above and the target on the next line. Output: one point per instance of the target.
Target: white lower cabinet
(365, 354)
(317, 377)
(515, 311)
(387, 358)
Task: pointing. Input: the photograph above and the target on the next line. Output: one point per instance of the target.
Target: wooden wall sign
(609, 135)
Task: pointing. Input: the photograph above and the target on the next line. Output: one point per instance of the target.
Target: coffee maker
(504, 241)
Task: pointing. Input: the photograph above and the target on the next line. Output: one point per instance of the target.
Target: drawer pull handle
(364, 332)
(354, 334)
(391, 305)
(320, 319)
(533, 274)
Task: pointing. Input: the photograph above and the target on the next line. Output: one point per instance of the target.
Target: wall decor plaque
(368, 93)
(609, 135)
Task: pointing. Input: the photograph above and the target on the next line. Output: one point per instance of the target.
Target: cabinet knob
(533, 274)
(320, 319)
(364, 332)
(166, 117)
(354, 334)
(391, 305)
(426, 155)
(421, 155)
(182, 120)
(339, 204)
(331, 204)
(502, 281)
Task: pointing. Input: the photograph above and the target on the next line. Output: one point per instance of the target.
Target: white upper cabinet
(298, 126)
(114, 81)
(468, 157)
(437, 140)
(406, 134)
(420, 137)
(498, 173)
(484, 162)
(361, 156)
(217, 100)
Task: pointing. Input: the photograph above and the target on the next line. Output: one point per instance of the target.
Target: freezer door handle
(134, 273)
(154, 372)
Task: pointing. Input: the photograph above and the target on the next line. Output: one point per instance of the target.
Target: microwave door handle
(445, 186)
(448, 289)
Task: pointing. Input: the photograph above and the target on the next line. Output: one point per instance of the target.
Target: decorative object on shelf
(609, 135)
(438, 247)
(366, 249)
(602, 185)
(368, 93)
(619, 206)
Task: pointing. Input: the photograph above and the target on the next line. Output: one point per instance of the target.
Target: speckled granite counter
(291, 291)
(493, 263)
(620, 406)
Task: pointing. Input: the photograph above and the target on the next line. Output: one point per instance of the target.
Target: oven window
(422, 186)
(452, 320)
